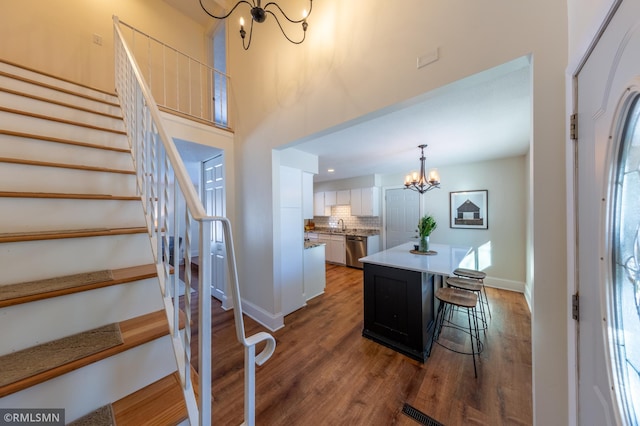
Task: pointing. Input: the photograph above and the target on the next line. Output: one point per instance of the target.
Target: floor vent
(419, 416)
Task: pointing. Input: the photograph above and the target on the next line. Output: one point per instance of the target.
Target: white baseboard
(270, 321)
(504, 284)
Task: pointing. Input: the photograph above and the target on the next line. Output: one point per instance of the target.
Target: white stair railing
(173, 208)
(179, 82)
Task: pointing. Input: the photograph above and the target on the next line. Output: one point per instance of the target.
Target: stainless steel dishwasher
(356, 248)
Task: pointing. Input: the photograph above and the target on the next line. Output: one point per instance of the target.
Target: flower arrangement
(426, 225)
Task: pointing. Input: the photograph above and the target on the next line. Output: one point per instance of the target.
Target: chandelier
(420, 182)
(259, 15)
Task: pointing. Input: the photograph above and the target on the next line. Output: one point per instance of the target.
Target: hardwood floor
(325, 373)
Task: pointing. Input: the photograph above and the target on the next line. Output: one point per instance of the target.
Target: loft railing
(174, 213)
(179, 82)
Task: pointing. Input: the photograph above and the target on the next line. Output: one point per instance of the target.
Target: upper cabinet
(343, 197)
(330, 199)
(307, 195)
(365, 201)
(319, 206)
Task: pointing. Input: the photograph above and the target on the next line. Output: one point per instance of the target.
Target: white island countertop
(444, 262)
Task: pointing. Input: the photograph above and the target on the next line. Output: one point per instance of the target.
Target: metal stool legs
(449, 298)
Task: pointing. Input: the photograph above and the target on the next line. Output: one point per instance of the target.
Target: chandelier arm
(285, 15)
(228, 14)
(250, 35)
(304, 34)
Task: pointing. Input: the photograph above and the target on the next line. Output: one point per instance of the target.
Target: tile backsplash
(351, 222)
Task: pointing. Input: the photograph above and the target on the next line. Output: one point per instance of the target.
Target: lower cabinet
(336, 250)
(314, 271)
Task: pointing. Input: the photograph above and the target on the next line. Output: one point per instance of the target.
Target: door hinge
(573, 126)
(575, 305)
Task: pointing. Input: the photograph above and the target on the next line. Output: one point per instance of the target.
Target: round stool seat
(470, 273)
(464, 284)
(457, 297)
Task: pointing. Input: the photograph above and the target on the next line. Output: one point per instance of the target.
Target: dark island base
(399, 309)
(400, 348)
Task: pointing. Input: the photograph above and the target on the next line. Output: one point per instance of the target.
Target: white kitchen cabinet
(314, 271)
(365, 201)
(330, 198)
(291, 240)
(319, 208)
(373, 244)
(356, 202)
(335, 248)
(338, 249)
(343, 197)
(307, 195)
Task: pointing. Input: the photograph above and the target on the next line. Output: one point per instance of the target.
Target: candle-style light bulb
(243, 33)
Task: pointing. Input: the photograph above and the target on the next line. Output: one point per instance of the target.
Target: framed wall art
(469, 209)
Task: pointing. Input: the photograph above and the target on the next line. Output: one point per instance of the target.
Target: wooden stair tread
(120, 276)
(59, 103)
(60, 195)
(160, 403)
(80, 233)
(60, 140)
(135, 332)
(56, 88)
(64, 166)
(61, 120)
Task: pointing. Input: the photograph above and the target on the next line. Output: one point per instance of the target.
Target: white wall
(506, 183)
(57, 36)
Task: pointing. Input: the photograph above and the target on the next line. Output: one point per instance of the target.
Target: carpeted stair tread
(135, 332)
(118, 276)
(30, 288)
(29, 362)
(160, 403)
(103, 416)
(13, 237)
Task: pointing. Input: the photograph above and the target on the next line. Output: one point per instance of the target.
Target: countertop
(336, 231)
(444, 262)
(312, 244)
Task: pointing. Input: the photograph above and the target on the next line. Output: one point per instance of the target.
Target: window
(625, 243)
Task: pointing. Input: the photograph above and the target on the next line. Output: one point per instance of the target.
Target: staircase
(69, 209)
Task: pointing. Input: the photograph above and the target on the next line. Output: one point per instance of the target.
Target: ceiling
(483, 117)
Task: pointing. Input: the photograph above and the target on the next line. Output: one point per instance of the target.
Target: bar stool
(475, 287)
(449, 298)
(478, 276)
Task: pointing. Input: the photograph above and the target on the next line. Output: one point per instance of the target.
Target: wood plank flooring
(325, 373)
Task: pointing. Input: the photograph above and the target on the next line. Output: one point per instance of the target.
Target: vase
(424, 244)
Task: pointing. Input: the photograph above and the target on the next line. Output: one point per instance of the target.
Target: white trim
(272, 322)
(511, 285)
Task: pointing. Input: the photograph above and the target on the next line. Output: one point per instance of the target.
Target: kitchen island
(399, 306)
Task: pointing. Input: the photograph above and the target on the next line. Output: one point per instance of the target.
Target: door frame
(573, 284)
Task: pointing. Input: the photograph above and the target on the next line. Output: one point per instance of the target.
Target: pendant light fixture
(420, 182)
(259, 15)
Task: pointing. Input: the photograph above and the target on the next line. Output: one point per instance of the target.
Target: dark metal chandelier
(420, 182)
(259, 15)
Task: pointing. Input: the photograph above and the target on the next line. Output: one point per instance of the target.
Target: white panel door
(606, 84)
(402, 210)
(213, 178)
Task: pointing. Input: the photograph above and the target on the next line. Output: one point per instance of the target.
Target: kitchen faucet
(341, 220)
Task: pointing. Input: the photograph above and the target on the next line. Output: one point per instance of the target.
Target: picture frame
(469, 209)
